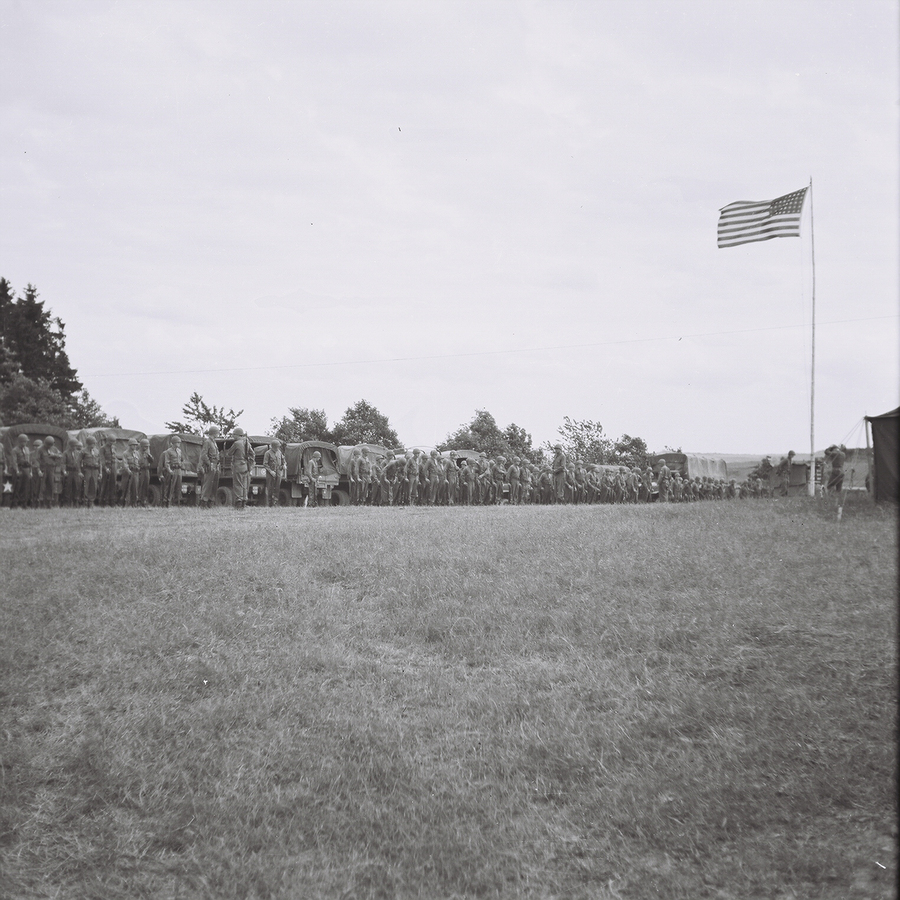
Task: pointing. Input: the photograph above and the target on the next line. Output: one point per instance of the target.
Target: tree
(86, 413)
(585, 441)
(484, 435)
(199, 416)
(36, 339)
(24, 399)
(631, 451)
(364, 424)
(302, 425)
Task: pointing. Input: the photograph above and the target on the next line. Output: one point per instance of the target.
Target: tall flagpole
(812, 382)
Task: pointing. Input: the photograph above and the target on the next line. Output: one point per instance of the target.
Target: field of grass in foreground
(684, 701)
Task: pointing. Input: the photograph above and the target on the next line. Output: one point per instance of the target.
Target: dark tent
(886, 438)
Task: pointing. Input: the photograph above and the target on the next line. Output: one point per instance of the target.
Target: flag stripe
(750, 221)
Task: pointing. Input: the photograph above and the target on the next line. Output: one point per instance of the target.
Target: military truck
(294, 491)
(9, 435)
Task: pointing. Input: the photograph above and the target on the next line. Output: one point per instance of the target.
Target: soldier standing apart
(209, 467)
(783, 471)
(172, 463)
(241, 455)
(145, 463)
(90, 468)
(276, 468)
(312, 478)
(838, 456)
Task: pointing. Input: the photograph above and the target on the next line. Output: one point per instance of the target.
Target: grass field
(651, 701)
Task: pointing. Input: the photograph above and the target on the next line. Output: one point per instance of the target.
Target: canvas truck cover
(120, 437)
(33, 430)
(344, 452)
(463, 454)
(886, 440)
(692, 465)
(190, 449)
(296, 455)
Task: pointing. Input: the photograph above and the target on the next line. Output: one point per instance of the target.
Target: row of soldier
(416, 478)
(44, 475)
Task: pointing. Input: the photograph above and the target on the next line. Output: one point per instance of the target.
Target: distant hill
(741, 464)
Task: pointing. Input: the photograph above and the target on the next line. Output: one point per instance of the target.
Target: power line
(394, 359)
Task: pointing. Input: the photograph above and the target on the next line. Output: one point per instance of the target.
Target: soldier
(312, 477)
(242, 457)
(663, 478)
(837, 455)
(130, 473)
(90, 468)
(145, 464)
(432, 470)
(783, 471)
(412, 475)
(37, 473)
(365, 477)
(109, 471)
(21, 469)
(276, 468)
(559, 474)
(452, 475)
(353, 476)
(72, 473)
(51, 460)
(512, 477)
(172, 462)
(209, 467)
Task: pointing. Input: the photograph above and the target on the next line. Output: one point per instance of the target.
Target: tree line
(39, 384)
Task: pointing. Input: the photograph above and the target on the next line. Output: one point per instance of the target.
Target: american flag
(747, 221)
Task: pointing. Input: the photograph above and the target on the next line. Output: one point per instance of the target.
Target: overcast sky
(447, 206)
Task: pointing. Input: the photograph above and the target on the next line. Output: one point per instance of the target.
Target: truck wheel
(284, 497)
(340, 498)
(224, 497)
(154, 495)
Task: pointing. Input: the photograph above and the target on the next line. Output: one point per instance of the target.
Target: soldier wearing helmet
(311, 476)
(172, 463)
(276, 469)
(242, 457)
(209, 467)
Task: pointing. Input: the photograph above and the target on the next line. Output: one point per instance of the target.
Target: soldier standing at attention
(412, 473)
(73, 474)
(145, 464)
(130, 473)
(109, 470)
(241, 455)
(312, 478)
(90, 468)
(276, 468)
(172, 463)
(37, 473)
(559, 474)
(21, 469)
(663, 477)
(209, 467)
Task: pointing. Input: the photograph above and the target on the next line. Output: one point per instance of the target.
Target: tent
(886, 438)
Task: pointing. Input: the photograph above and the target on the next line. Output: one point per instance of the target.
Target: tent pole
(870, 462)
(812, 382)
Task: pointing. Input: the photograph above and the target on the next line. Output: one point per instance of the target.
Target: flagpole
(812, 381)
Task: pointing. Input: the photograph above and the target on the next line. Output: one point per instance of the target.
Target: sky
(441, 207)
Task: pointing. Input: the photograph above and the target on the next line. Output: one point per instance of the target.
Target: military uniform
(242, 457)
(275, 466)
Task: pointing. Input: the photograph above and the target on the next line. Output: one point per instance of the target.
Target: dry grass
(692, 701)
